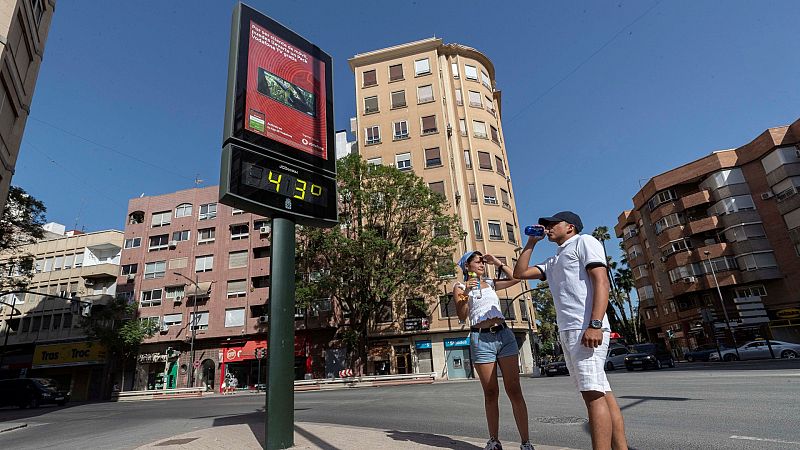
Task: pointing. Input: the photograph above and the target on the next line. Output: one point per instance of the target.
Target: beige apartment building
(729, 219)
(45, 334)
(23, 32)
(433, 108)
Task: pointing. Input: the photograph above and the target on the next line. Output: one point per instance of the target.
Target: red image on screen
(285, 93)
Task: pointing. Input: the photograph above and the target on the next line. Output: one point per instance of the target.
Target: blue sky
(598, 96)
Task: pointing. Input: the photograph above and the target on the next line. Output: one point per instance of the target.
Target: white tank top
(485, 307)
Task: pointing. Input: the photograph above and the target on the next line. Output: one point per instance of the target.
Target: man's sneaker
(493, 444)
(526, 446)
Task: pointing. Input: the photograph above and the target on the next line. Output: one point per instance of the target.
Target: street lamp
(722, 302)
(190, 372)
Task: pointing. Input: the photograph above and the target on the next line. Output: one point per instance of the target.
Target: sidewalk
(320, 436)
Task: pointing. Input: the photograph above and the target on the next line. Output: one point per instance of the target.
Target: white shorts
(586, 365)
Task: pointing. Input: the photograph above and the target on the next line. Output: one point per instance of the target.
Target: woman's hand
(471, 283)
(490, 259)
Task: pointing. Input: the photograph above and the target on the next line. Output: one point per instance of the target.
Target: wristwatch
(597, 324)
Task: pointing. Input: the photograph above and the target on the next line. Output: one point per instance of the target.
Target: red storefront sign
(248, 350)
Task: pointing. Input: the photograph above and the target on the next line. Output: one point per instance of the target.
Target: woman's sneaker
(493, 444)
(526, 446)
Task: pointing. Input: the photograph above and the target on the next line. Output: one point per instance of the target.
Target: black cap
(564, 216)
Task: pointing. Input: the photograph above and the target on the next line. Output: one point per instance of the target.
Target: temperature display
(284, 183)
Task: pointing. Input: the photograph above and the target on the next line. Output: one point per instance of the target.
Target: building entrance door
(402, 358)
(172, 375)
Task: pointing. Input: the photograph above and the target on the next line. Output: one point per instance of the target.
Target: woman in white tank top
(492, 343)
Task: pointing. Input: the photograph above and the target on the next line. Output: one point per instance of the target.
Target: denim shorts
(489, 347)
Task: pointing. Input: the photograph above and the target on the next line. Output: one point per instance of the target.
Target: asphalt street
(744, 405)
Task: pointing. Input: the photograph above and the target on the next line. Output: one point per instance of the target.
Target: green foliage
(545, 317)
(394, 241)
(20, 225)
(118, 328)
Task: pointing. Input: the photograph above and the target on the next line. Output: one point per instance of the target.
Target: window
(459, 99)
(161, 219)
(504, 198)
(447, 307)
(429, 124)
(455, 69)
(151, 298)
(723, 178)
(204, 263)
(629, 231)
(375, 161)
(175, 292)
(180, 235)
(425, 94)
(470, 72)
(172, 320)
(261, 252)
(489, 194)
(640, 271)
(490, 107)
(645, 292)
(660, 198)
(152, 321)
(135, 217)
(159, 242)
(479, 129)
(433, 157)
(234, 317)
(473, 193)
(78, 260)
(438, 187)
(672, 220)
(475, 99)
(370, 78)
(129, 243)
(476, 224)
(208, 211)
(155, 269)
(46, 320)
(398, 99)
(484, 161)
(732, 204)
(396, 72)
(58, 262)
(67, 321)
(512, 237)
(400, 130)
(129, 269)
(373, 135)
(523, 311)
(757, 290)
(756, 260)
(485, 80)
(507, 305)
(467, 159)
(403, 161)
(236, 211)
(371, 104)
(240, 231)
(462, 126)
(260, 282)
(183, 210)
(422, 67)
(200, 322)
(237, 288)
(495, 134)
(676, 246)
(237, 259)
(495, 233)
(498, 162)
(384, 313)
(205, 235)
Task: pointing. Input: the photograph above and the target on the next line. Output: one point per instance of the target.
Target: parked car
(31, 392)
(615, 359)
(759, 350)
(703, 352)
(556, 367)
(648, 355)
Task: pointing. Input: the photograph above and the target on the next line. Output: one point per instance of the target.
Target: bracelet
(500, 267)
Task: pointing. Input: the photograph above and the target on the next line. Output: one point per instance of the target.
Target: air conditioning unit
(177, 299)
(767, 195)
(263, 319)
(173, 244)
(131, 276)
(88, 282)
(265, 229)
(164, 328)
(689, 279)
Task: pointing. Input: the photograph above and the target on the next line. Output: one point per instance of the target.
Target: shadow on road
(14, 414)
(433, 440)
(645, 398)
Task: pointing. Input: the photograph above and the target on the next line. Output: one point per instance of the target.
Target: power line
(582, 63)
(121, 153)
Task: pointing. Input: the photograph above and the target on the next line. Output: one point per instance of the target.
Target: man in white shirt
(578, 280)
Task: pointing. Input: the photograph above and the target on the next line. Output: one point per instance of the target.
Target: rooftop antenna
(198, 181)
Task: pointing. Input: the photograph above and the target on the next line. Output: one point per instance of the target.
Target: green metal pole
(280, 353)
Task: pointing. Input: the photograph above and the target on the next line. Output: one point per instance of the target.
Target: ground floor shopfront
(445, 354)
(79, 367)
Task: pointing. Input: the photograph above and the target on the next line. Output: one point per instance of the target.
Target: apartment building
(434, 109)
(24, 25)
(730, 219)
(45, 334)
(190, 260)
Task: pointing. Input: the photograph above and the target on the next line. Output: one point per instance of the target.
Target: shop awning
(204, 291)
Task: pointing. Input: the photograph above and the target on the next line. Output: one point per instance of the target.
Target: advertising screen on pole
(285, 97)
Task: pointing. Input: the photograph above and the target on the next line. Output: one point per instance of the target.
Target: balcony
(750, 245)
(704, 282)
(665, 209)
(770, 273)
(789, 203)
(703, 224)
(698, 198)
(648, 303)
(739, 217)
(100, 271)
(631, 240)
(782, 172)
(669, 235)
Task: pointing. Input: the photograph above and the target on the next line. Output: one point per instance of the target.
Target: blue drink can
(534, 230)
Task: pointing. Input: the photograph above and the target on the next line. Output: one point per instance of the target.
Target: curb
(15, 426)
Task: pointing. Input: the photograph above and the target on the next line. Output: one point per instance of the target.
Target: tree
(393, 243)
(20, 225)
(619, 296)
(623, 278)
(545, 317)
(119, 329)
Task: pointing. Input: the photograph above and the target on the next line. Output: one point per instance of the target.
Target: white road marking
(751, 438)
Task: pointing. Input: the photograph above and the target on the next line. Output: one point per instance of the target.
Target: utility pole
(722, 302)
(193, 325)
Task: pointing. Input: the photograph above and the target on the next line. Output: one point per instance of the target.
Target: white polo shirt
(569, 281)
